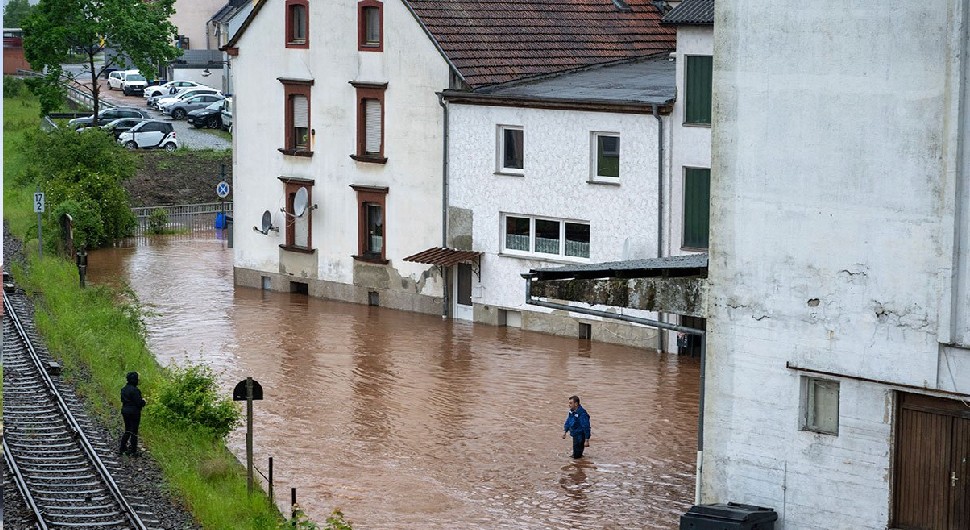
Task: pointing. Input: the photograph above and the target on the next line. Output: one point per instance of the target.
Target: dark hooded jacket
(131, 400)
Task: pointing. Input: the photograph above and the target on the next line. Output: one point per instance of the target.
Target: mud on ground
(180, 177)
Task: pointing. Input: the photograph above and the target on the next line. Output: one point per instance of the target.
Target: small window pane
(517, 233)
(298, 23)
(577, 240)
(547, 236)
(375, 228)
(301, 121)
(820, 403)
(607, 156)
(372, 21)
(512, 149)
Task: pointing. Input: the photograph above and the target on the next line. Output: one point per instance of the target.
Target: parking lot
(187, 135)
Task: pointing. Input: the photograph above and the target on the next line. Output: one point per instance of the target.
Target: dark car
(121, 125)
(107, 115)
(210, 116)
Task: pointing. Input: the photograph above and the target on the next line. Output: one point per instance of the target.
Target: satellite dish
(267, 221)
(300, 202)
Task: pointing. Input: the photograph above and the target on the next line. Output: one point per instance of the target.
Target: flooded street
(410, 421)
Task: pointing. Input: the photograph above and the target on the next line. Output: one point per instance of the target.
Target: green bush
(13, 87)
(192, 396)
(157, 221)
(300, 521)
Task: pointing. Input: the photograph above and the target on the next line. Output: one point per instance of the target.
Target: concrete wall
(191, 19)
(413, 70)
(834, 177)
(557, 153)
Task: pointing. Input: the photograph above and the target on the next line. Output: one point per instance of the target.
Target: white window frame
(531, 252)
(594, 157)
(810, 418)
(500, 150)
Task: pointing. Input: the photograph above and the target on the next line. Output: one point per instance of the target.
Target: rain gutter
(444, 203)
(660, 204)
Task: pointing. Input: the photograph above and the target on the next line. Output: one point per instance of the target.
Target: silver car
(159, 102)
(179, 109)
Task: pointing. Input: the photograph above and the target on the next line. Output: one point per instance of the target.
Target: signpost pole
(249, 435)
(39, 208)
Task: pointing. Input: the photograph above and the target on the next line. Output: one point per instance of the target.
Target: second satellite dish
(267, 221)
(300, 202)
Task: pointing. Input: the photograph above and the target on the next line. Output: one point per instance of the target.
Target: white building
(838, 374)
(567, 169)
(191, 21)
(340, 100)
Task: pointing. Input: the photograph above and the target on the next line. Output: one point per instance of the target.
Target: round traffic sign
(222, 189)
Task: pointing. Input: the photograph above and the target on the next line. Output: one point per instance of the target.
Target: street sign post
(39, 208)
(248, 390)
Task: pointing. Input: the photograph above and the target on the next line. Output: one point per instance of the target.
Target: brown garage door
(932, 487)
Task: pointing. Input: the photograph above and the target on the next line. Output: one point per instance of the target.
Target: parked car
(116, 127)
(180, 109)
(227, 114)
(150, 134)
(170, 89)
(133, 83)
(159, 101)
(210, 116)
(115, 79)
(107, 115)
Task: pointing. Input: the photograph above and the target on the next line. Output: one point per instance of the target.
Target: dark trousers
(579, 442)
(129, 440)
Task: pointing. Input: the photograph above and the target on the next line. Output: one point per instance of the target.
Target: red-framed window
(297, 24)
(298, 135)
(371, 223)
(370, 122)
(299, 214)
(370, 26)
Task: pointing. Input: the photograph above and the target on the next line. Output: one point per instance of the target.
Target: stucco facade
(555, 184)
(191, 19)
(413, 70)
(839, 249)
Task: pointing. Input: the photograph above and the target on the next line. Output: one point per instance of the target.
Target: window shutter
(697, 207)
(372, 126)
(698, 80)
(301, 112)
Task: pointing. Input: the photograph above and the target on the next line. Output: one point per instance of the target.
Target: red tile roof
(496, 41)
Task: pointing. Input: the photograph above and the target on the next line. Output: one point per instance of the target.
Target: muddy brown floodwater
(405, 420)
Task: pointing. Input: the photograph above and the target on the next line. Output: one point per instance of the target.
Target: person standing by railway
(131, 405)
(577, 426)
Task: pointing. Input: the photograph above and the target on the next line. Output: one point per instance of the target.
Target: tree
(15, 12)
(139, 29)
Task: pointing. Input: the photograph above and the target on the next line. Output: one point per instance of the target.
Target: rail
(73, 93)
(179, 218)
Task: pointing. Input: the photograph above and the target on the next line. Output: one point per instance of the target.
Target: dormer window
(297, 24)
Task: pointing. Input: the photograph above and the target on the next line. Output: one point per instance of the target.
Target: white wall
(623, 218)
(191, 18)
(413, 70)
(690, 144)
(831, 244)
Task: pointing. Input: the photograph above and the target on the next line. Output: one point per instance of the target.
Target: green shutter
(697, 207)
(698, 81)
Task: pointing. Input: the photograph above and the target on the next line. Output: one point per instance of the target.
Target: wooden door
(931, 464)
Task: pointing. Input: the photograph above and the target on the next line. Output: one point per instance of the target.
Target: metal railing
(74, 94)
(180, 218)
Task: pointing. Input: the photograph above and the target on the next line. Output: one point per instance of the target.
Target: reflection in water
(408, 421)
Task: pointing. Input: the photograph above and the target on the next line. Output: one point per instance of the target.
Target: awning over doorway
(445, 257)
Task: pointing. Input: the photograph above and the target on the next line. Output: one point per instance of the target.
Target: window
(819, 405)
(606, 156)
(298, 139)
(371, 223)
(370, 122)
(370, 26)
(297, 24)
(299, 225)
(542, 237)
(698, 75)
(511, 158)
(697, 208)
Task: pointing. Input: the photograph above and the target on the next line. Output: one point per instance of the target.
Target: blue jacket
(577, 423)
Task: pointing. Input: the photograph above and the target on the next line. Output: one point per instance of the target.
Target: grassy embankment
(98, 337)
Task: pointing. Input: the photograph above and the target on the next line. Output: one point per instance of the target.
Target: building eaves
(245, 25)
(691, 12)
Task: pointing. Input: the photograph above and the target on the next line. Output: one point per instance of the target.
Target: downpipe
(445, 271)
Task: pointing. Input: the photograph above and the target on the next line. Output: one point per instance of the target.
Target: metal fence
(181, 218)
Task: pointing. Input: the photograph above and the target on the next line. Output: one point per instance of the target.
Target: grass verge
(98, 336)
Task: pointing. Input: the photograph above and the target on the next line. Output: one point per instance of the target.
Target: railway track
(63, 474)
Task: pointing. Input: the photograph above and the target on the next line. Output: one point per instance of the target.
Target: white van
(133, 83)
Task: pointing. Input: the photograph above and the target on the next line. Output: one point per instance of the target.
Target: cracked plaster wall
(830, 248)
